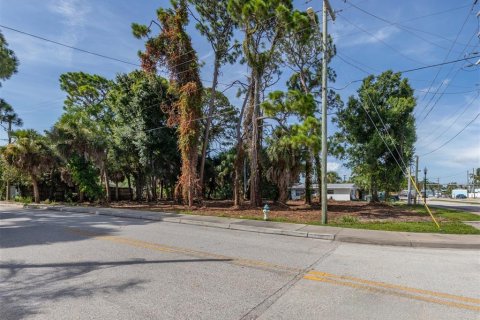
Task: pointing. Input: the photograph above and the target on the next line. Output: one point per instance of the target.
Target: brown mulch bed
(294, 211)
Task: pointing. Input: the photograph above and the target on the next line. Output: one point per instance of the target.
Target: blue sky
(412, 34)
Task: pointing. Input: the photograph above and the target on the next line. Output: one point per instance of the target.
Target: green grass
(452, 223)
(426, 227)
(450, 214)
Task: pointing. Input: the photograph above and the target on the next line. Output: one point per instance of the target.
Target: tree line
(177, 139)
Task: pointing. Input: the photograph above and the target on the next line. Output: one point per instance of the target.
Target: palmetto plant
(31, 154)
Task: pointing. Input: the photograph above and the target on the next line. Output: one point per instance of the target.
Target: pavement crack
(266, 303)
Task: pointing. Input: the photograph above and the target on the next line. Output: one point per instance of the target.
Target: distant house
(335, 191)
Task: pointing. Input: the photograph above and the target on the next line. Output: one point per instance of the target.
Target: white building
(456, 192)
(335, 191)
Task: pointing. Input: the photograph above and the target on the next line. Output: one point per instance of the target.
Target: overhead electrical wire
(398, 25)
(451, 139)
(446, 86)
(380, 40)
(448, 53)
(137, 65)
(465, 108)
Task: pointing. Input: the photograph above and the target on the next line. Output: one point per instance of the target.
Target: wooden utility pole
(416, 179)
(327, 10)
(409, 193)
(473, 182)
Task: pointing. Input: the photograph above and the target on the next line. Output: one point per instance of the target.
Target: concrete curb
(183, 220)
(293, 233)
(13, 204)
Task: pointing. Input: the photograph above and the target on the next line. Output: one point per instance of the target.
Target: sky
(371, 36)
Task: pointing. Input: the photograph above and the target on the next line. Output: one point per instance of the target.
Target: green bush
(349, 219)
(24, 200)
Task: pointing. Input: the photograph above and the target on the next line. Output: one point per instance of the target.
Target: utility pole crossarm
(329, 9)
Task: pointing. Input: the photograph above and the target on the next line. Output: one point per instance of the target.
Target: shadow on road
(26, 288)
(19, 228)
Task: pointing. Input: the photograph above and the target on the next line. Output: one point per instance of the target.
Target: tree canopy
(377, 132)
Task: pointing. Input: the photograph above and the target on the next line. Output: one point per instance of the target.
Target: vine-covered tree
(215, 23)
(377, 132)
(172, 47)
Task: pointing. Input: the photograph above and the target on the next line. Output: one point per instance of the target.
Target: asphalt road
(77, 266)
(458, 205)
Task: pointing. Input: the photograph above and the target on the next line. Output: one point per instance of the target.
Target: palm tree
(333, 177)
(73, 137)
(9, 117)
(30, 154)
(285, 164)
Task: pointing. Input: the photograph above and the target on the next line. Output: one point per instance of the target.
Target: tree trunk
(374, 192)
(211, 108)
(81, 196)
(116, 190)
(107, 186)
(130, 192)
(308, 180)
(283, 189)
(318, 168)
(149, 195)
(239, 154)
(9, 134)
(154, 188)
(255, 196)
(7, 191)
(161, 189)
(138, 186)
(36, 192)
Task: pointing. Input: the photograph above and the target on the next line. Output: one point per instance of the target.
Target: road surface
(458, 205)
(60, 265)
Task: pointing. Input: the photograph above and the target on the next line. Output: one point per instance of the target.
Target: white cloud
(74, 15)
(333, 166)
(73, 12)
(380, 35)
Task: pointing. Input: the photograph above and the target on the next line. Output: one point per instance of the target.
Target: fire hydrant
(266, 210)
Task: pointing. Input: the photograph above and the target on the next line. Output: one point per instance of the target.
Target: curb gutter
(293, 233)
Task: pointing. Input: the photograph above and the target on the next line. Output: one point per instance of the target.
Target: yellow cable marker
(425, 202)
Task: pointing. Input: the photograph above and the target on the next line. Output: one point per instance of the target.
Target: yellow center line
(399, 287)
(390, 292)
(190, 252)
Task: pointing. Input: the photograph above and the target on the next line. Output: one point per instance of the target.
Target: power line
(378, 39)
(417, 69)
(438, 64)
(397, 25)
(446, 86)
(71, 47)
(451, 139)
(446, 57)
(411, 28)
(453, 122)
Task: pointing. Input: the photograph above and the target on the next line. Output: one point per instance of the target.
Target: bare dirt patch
(294, 211)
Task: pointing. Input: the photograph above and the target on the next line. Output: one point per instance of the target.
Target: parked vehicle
(460, 196)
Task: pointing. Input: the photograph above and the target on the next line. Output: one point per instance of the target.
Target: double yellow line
(396, 290)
